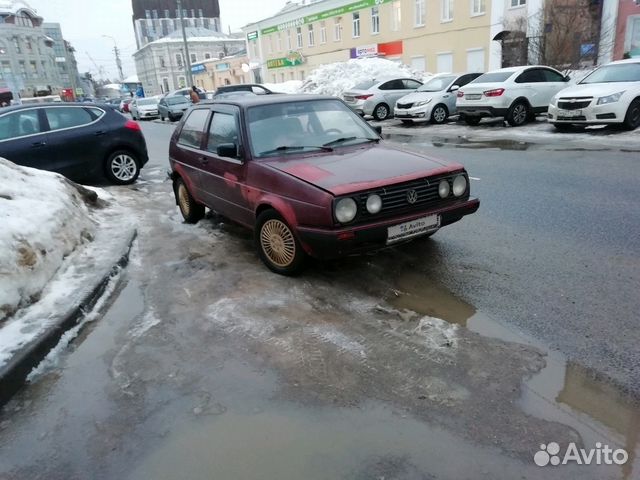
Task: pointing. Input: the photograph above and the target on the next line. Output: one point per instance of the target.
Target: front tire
(632, 118)
(122, 168)
(191, 211)
(381, 112)
(277, 245)
(518, 114)
(439, 114)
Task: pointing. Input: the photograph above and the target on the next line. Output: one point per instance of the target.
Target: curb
(14, 373)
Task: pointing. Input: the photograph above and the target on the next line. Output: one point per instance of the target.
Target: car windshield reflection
(289, 128)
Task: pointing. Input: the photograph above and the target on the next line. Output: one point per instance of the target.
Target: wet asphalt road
(208, 366)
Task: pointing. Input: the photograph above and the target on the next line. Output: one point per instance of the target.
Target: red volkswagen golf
(310, 177)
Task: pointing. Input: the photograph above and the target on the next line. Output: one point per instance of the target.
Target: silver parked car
(173, 107)
(378, 97)
(435, 100)
(143, 108)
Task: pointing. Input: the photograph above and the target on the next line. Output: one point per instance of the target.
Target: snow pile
(44, 218)
(336, 78)
(291, 86)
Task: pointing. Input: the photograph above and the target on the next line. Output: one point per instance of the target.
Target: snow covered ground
(56, 241)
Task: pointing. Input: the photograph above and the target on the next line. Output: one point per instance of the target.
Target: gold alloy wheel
(277, 243)
(183, 199)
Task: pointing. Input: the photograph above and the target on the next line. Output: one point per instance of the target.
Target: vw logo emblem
(412, 196)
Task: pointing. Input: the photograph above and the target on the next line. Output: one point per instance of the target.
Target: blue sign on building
(198, 68)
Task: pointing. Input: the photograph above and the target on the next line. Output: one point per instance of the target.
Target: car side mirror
(378, 129)
(454, 88)
(227, 150)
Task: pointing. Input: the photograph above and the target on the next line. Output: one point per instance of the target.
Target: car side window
(551, 76)
(223, 129)
(411, 84)
(20, 124)
(392, 85)
(464, 79)
(258, 90)
(193, 129)
(531, 76)
(67, 117)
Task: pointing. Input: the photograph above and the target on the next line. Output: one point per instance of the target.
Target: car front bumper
(339, 242)
(414, 113)
(591, 115)
(149, 114)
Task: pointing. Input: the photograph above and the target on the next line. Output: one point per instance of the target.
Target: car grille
(575, 119)
(395, 197)
(576, 103)
(404, 105)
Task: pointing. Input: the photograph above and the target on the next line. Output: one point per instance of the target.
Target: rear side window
(67, 117)
(193, 129)
(495, 77)
(534, 75)
(392, 85)
(223, 129)
(551, 76)
(464, 79)
(20, 124)
(411, 84)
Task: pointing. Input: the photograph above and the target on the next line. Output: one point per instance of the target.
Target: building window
(282, 77)
(193, 13)
(155, 14)
(16, 45)
(323, 32)
(477, 7)
(301, 74)
(34, 68)
(375, 20)
(299, 37)
(278, 42)
(147, 14)
(207, 56)
(163, 64)
(167, 14)
(273, 77)
(312, 38)
(23, 69)
(447, 10)
(420, 13)
(289, 44)
(396, 15)
(44, 69)
(165, 85)
(518, 3)
(200, 14)
(356, 24)
(337, 29)
(182, 82)
(194, 58)
(179, 59)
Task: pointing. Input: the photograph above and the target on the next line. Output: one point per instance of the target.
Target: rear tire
(381, 112)
(439, 114)
(518, 114)
(122, 167)
(191, 211)
(632, 118)
(277, 245)
(473, 121)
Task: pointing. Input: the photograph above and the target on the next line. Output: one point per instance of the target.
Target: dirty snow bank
(335, 78)
(44, 218)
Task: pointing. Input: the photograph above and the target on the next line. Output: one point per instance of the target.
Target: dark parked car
(244, 87)
(81, 141)
(310, 177)
(173, 107)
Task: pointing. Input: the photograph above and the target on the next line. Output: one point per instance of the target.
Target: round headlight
(459, 185)
(346, 210)
(444, 189)
(374, 203)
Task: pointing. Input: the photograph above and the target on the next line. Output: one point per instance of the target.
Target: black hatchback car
(80, 141)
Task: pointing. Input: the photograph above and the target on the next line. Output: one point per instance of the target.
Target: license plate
(570, 113)
(416, 227)
(473, 96)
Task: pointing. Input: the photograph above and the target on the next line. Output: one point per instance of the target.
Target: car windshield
(437, 84)
(177, 100)
(623, 72)
(493, 77)
(147, 101)
(367, 84)
(285, 128)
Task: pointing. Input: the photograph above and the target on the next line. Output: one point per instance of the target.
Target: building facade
(27, 57)
(154, 19)
(627, 44)
(161, 65)
(429, 35)
(211, 74)
(65, 59)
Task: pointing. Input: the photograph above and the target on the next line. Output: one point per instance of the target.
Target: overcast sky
(85, 21)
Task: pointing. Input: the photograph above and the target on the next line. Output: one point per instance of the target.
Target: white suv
(517, 93)
(610, 94)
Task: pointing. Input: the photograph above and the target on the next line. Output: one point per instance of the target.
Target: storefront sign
(198, 68)
(252, 35)
(366, 50)
(291, 60)
(381, 49)
(334, 12)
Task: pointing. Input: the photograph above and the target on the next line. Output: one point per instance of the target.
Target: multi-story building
(211, 74)
(429, 35)
(27, 57)
(161, 65)
(627, 43)
(65, 58)
(154, 19)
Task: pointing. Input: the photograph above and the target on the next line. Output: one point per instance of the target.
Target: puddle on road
(563, 391)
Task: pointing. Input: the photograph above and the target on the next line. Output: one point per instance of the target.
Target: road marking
(474, 178)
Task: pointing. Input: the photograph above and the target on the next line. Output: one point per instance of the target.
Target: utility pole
(116, 51)
(187, 60)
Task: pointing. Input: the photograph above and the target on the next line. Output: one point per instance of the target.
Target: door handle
(204, 160)
(99, 133)
(38, 144)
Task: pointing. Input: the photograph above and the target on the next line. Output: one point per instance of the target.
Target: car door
(188, 151)
(23, 138)
(554, 82)
(392, 91)
(224, 177)
(451, 95)
(78, 139)
(532, 85)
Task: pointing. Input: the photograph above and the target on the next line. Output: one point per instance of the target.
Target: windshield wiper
(284, 148)
(348, 139)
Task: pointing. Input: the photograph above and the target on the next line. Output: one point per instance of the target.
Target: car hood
(419, 97)
(353, 169)
(597, 89)
(146, 108)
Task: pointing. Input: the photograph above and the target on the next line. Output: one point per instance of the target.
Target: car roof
(14, 108)
(246, 101)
